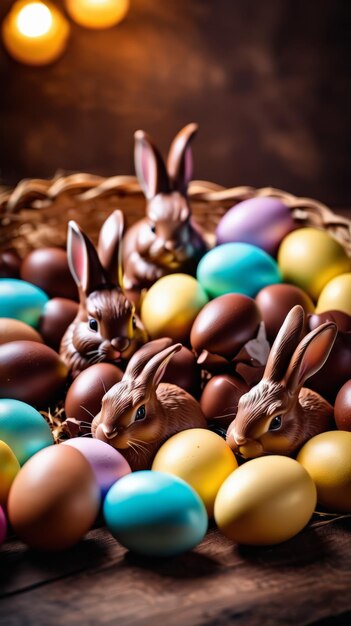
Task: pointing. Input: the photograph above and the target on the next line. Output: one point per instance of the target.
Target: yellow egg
(15, 330)
(310, 258)
(9, 467)
(171, 305)
(327, 458)
(336, 295)
(201, 458)
(265, 501)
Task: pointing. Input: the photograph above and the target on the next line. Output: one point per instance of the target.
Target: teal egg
(21, 300)
(23, 429)
(237, 268)
(155, 514)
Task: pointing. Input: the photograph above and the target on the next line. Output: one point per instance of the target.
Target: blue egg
(155, 514)
(23, 429)
(237, 268)
(21, 300)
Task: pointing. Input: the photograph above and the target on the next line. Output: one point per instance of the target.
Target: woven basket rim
(34, 194)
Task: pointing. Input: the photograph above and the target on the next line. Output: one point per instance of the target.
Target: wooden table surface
(305, 581)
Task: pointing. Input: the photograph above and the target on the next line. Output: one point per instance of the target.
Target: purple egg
(107, 463)
(3, 526)
(263, 222)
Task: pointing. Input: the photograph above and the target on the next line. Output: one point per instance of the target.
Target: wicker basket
(35, 213)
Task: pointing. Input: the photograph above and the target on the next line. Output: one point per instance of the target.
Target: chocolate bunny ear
(143, 356)
(149, 166)
(109, 247)
(310, 355)
(180, 160)
(284, 345)
(154, 370)
(83, 260)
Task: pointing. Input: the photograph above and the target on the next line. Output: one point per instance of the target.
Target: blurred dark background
(268, 82)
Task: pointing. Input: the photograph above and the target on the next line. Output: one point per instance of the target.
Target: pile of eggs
(262, 266)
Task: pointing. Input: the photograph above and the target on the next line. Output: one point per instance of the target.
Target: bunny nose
(239, 440)
(120, 343)
(170, 246)
(109, 434)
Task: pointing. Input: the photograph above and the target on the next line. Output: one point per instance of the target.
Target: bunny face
(266, 422)
(166, 240)
(278, 415)
(167, 236)
(106, 327)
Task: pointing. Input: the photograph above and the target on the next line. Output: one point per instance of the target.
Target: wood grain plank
(299, 582)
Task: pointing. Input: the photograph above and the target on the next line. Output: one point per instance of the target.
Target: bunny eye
(134, 322)
(275, 423)
(153, 228)
(141, 413)
(93, 325)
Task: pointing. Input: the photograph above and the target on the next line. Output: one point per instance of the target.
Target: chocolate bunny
(278, 415)
(139, 413)
(106, 327)
(166, 240)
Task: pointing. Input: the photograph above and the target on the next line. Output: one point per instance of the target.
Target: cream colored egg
(15, 330)
(327, 458)
(265, 501)
(310, 258)
(170, 306)
(202, 458)
(336, 295)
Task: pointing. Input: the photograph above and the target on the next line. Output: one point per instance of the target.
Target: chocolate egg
(236, 268)
(263, 222)
(310, 258)
(224, 326)
(54, 499)
(336, 295)
(275, 302)
(182, 370)
(342, 408)
(57, 315)
(48, 269)
(171, 305)
(83, 400)
(31, 372)
(10, 263)
(15, 330)
(220, 397)
(336, 370)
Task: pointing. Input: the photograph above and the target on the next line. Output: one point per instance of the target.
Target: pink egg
(3, 526)
(107, 463)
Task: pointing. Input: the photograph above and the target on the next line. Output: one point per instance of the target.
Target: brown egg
(336, 370)
(48, 268)
(342, 408)
(220, 397)
(31, 372)
(10, 264)
(54, 499)
(182, 370)
(275, 302)
(83, 400)
(15, 330)
(223, 326)
(57, 315)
